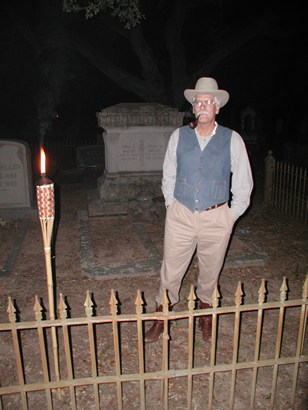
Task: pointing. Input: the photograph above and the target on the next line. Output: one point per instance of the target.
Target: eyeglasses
(199, 103)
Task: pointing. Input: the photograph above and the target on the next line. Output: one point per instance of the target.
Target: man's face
(205, 106)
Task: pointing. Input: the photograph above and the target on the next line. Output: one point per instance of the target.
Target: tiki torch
(46, 211)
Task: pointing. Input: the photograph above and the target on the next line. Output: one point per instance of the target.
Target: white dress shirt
(241, 182)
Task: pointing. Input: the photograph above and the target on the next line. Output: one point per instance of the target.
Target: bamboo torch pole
(46, 211)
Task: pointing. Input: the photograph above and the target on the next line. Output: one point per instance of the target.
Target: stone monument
(135, 142)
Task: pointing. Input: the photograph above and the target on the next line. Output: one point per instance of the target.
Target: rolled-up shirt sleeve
(242, 180)
(169, 168)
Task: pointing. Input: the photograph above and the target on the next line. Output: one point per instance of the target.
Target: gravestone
(135, 142)
(90, 156)
(16, 186)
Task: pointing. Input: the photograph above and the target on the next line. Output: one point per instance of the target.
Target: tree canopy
(109, 51)
(163, 52)
(127, 11)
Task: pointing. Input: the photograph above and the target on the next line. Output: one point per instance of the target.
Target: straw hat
(207, 85)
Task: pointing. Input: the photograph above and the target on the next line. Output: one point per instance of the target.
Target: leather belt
(215, 206)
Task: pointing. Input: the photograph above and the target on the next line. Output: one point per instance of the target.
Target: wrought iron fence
(61, 154)
(255, 346)
(286, 188)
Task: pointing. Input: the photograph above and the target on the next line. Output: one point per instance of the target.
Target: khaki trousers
(206, 232)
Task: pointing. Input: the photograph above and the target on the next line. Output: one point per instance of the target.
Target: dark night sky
(268, 73)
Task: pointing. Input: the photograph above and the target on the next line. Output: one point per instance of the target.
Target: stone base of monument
(126, 193)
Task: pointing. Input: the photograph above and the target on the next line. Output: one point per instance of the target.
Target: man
(206, 167)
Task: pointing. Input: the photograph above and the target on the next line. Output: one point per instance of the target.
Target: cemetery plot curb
(17, 242)
(241, 253)
(90, 266)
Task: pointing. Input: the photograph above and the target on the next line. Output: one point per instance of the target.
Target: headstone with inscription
(16, 186)
(135, 142)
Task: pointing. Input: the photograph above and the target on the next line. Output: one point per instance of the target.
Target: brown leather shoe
(152, 335)
(205, 322)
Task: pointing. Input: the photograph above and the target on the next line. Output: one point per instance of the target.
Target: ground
(283, 239)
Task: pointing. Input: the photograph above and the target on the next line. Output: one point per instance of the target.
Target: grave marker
(16, 185)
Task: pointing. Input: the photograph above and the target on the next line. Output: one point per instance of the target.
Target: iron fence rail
(286, 188)
(62, 154)
(19, 388)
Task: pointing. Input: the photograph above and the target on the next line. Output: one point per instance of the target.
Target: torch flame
(43, 162)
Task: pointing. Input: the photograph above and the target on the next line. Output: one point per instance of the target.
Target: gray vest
(203, 177)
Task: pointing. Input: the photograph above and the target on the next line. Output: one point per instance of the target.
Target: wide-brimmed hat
(207, 85)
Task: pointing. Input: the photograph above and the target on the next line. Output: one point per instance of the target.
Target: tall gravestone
(135, 142)
(16, 186)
